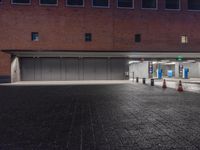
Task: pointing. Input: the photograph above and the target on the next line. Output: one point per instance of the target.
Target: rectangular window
(194, 4)
(125, 3)
(21, 1)
(88, 37)
(100, 3)
(184, 39)
(35, 36)
(137, 38)
(75, 2)
(48, 2)
(172, 4)
(150, 4)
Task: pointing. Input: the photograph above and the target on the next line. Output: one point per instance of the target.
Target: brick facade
(4, 64)
(113, 29)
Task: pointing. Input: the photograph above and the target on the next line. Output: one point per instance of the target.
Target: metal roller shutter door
(55, 69)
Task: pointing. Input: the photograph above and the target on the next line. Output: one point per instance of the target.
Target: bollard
(137, 79)
(144, 80)
(152, 82)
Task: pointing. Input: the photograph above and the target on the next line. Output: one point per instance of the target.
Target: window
(125, 3)
(152, 4)
(88, 37)
(172, 4)
(100, 3)
(48, 2)
(21, 1)
(35, 36)
(137, 38)
(75, 2)
(184, 39)
(193, 4)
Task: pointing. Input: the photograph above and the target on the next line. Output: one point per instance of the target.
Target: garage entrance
(61, 69)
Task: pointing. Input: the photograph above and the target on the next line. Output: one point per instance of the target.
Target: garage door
(55, 69)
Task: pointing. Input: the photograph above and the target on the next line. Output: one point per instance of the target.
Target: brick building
(92, 39)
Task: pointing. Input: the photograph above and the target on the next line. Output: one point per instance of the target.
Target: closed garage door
(55, 69)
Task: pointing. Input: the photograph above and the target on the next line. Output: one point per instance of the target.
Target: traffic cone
(180, 87)
(164, 84)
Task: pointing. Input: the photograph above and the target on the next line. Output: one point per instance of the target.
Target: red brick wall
(4, 64)
(63, 28)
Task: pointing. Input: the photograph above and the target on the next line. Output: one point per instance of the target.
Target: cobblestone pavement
(98, 117)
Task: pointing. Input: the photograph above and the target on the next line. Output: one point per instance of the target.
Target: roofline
(101, 54)
(105, 51)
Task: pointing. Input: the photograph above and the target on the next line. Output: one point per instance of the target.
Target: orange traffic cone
(164, 84)
(180, 87)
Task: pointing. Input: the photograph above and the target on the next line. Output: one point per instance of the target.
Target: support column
(15, 70)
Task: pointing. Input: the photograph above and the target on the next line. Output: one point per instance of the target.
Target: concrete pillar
(198, 69)
(177, 70)
(15, 70)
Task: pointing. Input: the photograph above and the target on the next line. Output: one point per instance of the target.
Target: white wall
(194, 69)
(140, 70)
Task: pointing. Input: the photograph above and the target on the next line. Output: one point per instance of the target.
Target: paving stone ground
(98, 117)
